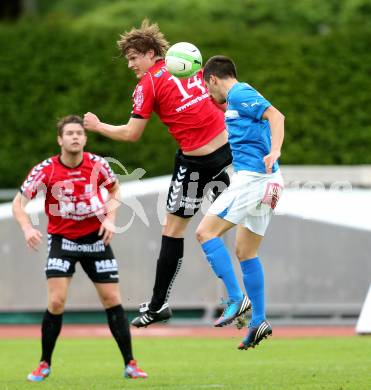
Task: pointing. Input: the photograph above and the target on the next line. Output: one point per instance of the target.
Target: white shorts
(249, 200)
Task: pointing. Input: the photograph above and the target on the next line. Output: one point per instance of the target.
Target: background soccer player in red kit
(197, 125)
(80, 228)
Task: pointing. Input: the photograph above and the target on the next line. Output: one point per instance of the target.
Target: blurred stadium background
(311, 58)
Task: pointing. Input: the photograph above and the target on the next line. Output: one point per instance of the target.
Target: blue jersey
(248, 134)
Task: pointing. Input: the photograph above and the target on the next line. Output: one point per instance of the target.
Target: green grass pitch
(194, 363)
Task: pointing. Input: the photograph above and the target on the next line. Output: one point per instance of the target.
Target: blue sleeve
(250, 102)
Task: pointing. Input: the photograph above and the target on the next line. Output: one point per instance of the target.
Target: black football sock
(119, 326)
(168, 265)
(50, 329)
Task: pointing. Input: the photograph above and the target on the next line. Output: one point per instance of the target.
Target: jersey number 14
(192, 82)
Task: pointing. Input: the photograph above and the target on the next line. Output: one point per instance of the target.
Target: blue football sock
(221, 263)
(253, 279)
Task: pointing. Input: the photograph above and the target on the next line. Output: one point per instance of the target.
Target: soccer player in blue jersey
(255, 133)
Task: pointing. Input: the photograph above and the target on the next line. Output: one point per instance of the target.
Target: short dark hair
(221, 67)
(69, 119)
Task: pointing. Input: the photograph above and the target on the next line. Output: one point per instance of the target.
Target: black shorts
(195, 177)
(96, 259)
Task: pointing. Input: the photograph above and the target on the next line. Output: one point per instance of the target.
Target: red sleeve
(106, 177)
(37, 180)
(144, 97)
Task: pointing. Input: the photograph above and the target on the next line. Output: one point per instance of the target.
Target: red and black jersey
(73, 197)
(184, 105)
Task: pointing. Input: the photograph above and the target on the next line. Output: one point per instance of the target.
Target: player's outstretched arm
(277, 124)
(132, 131)
(32, 236)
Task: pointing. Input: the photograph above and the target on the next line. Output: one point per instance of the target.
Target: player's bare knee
(174, 230)
(56, 305)
(202, 235)
(245, 254)
(241, 253)
(110, 300)
(175, 226)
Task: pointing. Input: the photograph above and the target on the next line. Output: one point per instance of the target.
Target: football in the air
(183, 60)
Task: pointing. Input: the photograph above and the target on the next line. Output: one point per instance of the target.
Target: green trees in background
(310, 58)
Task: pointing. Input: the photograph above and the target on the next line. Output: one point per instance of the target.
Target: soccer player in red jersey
(197, 125)
(80, 228)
